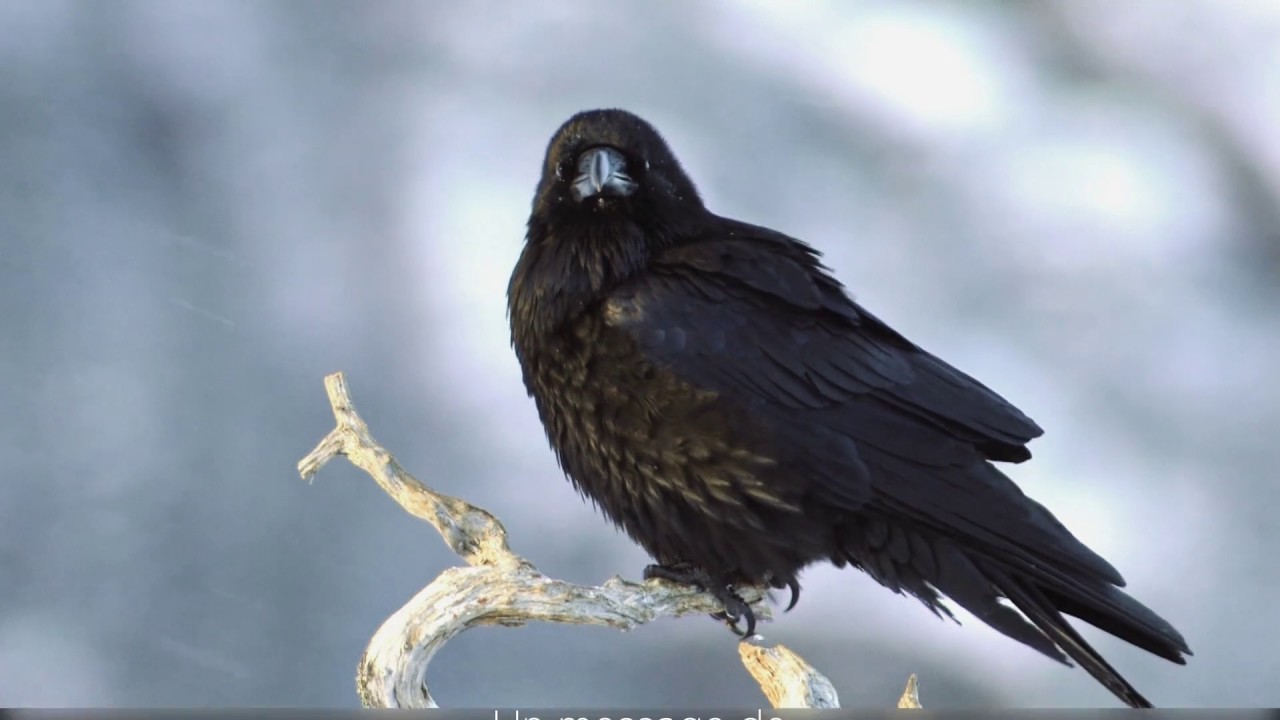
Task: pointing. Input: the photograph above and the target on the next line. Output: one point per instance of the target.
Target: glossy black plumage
(713, 389)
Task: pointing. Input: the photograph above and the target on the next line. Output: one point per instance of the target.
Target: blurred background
(207, 206)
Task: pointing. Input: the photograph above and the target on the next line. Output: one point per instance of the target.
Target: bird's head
(611, 196)
(608, 165)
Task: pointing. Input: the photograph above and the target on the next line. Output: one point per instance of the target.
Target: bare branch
(471, 532)
(502, 588)
(786, 679)
(911, 696)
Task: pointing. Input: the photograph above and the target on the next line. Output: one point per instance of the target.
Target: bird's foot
(793, 585)
(735, 608)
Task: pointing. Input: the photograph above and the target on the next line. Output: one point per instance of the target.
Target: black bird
(712, 388)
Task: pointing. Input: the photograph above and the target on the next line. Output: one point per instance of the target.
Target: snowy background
(205, 206)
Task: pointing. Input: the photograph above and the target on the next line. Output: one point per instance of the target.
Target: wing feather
(761, 321)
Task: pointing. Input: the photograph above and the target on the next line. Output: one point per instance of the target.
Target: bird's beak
(602, 171)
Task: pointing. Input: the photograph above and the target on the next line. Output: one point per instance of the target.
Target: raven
(712, 388)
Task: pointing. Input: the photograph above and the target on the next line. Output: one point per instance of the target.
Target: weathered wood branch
(498, 587)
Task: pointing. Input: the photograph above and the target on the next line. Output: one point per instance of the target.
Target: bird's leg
(735, 608)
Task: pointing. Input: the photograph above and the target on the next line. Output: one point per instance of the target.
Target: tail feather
(1032, 602)
(1101, 604)
(968, 586)
(985, 580)
(1127, 619)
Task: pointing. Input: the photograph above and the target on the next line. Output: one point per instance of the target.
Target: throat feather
(559, 279)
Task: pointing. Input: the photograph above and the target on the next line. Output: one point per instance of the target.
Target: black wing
(818, 348)
(755, 317)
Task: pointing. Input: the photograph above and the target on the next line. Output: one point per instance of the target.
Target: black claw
(735, 608)
(730, 620)
(793, 585)
(795, 593)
